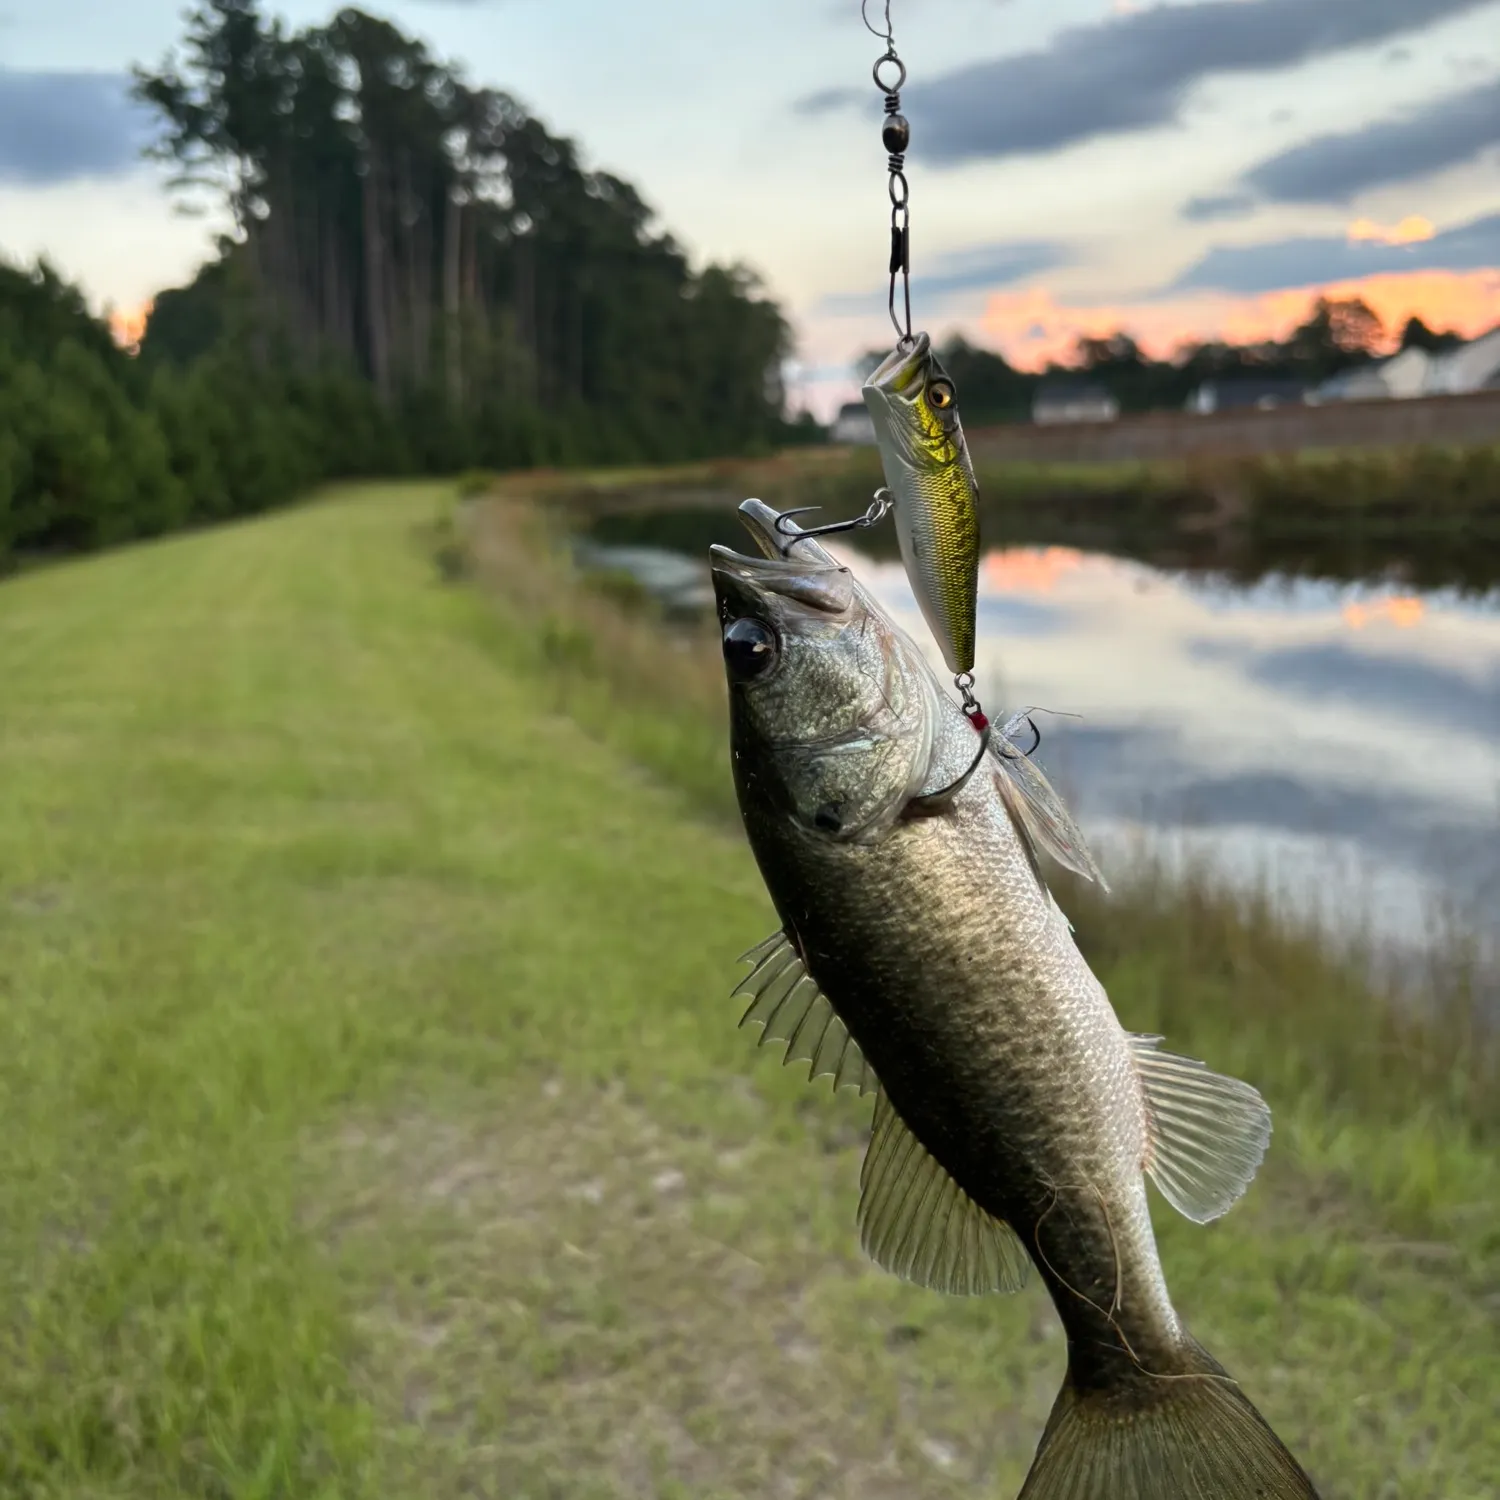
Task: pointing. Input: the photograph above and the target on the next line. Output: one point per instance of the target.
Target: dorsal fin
(787, 1003)
(917, 1222)
(1206, 1134)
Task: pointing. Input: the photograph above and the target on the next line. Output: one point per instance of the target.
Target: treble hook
(936, 802)
(878, 508)
(1031, 724)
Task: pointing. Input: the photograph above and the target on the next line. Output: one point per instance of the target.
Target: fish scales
(921, 950)
(1020, 1083)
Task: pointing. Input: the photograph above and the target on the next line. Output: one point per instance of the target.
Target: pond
(1338, 742)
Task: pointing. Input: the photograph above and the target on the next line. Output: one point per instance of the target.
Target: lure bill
(914, 407)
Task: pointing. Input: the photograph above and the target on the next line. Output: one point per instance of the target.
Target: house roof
(1469, 368)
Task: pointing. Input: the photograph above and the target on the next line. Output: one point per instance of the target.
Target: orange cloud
(1403, 611)
(1412, 230)
(1029, 570)
(127, 326)
(1032, 328)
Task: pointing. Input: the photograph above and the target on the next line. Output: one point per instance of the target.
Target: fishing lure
(929, 478)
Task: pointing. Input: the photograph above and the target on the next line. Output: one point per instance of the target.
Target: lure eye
(750, 649)
(940, 395)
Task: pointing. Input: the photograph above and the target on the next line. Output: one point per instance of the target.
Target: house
(1073, 401)
(1245, 392)
(1407, 374)
(1361, 384)
(852, 425)
(1474, 366)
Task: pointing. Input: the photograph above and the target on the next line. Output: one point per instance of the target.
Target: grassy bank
(1430, 516)
(376, 1124)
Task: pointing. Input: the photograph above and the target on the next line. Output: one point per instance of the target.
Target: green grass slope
(373, 1120)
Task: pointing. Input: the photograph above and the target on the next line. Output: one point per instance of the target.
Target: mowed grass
(373, 1121)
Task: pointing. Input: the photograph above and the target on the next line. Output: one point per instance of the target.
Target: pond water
(1339, 742)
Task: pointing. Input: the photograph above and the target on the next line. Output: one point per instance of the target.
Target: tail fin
(1192, 1436)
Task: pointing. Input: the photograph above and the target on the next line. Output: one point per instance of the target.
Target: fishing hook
(935, 802)
(878, 509)
(1036, 744)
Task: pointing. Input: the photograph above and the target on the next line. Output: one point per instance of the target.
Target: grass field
(375, 1123)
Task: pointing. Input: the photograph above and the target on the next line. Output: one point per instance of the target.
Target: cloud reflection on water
(1291, 717)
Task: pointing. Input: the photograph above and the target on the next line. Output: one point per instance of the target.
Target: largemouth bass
(922, 958)
(914, 407)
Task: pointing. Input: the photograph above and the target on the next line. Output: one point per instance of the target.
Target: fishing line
(889, 75)
(895, 136)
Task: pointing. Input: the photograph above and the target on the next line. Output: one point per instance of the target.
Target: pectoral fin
(787, 1003)
(1207, 1134)
(1037, 809)
(916, 1221)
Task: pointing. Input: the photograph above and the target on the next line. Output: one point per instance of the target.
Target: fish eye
(750, 649)
(940, 394)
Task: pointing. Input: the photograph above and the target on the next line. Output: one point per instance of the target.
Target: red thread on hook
(976, 717)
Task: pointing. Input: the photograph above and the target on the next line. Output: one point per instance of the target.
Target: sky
(1191, 169)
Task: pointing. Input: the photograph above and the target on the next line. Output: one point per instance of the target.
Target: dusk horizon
(1179, 172)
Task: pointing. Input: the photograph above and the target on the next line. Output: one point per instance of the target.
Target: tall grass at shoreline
(1195, 958)
(1430, 515)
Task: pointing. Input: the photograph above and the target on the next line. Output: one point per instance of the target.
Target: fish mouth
(743, 584)
(775, 533)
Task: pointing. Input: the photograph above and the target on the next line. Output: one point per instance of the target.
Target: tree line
(421, 277)
(1336, 335)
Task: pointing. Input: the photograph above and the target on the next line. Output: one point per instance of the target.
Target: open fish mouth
(816, 584)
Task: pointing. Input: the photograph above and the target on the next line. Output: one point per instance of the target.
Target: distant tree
(1417, 335)
(1117, 350)
(1336, 333)
(437, 239)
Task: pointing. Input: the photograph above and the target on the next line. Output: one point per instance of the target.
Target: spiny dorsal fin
(1207, 1134)
(787, 1002)
(917, 1222)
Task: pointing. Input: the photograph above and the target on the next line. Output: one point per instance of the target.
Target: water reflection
(1342, 740)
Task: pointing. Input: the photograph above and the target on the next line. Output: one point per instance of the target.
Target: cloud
(979, 268)
(1309, 259)
(1393, 687)
(1336, 168)
(1134, 70)
(825, 101)
(1223, 206)
(1414, 229)
(56, 127)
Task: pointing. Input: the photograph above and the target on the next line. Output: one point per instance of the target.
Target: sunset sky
(1181, 170)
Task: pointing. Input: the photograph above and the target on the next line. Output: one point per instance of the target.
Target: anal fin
(787, 1003)
(1207, 1134)
(917, 1222)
